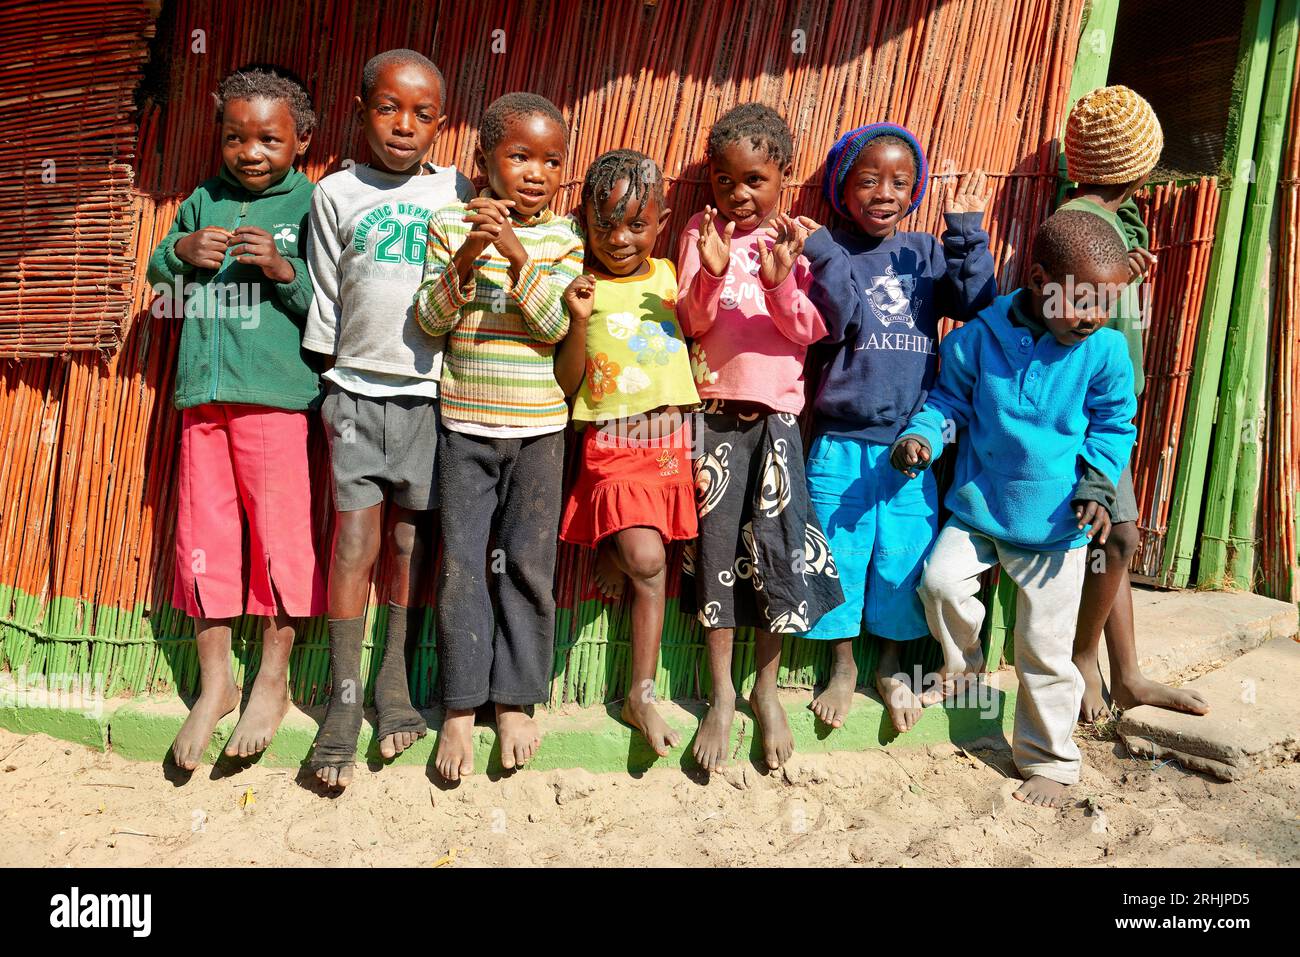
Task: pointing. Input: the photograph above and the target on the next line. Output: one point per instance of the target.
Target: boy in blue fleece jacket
(881, 293)
(1045, 394)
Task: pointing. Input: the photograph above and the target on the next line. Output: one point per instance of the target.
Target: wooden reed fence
(1181, 220)
(1279, 558)
(87, 485)
(68, 77)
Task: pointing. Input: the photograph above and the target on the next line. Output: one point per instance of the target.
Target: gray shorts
(380, 445)
(1126, 506)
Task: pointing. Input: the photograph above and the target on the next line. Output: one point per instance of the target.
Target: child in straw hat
(1112, 142)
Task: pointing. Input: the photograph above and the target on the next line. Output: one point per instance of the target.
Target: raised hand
(507, 242)
(580, 299)
(808, 224)
(205, 248)
(971, 195)
(714, 247)
(249, 244)
(487, 217)
(774, 264)
(1140, 261)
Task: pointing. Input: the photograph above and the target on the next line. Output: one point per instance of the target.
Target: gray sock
(336, 742)
(392, 686)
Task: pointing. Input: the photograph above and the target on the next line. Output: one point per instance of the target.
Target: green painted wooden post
(1000, 623)
(1203, 387)
(1091, 63)
(1227, 537)
(1258, 269)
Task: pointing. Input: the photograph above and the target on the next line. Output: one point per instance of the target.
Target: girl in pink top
(761, 560)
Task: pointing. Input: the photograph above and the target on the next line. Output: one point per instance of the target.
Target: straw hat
(1112, 136)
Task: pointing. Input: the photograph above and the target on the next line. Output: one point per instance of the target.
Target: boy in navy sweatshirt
(1044, 393)
(881, 293)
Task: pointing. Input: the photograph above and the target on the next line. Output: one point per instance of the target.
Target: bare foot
(399, 727)
(334, 751)
(195, 735)
(1093, 707)
(713, 741)
(1130, 694)
(335, 776)
(833, 704)
(268, 703)
(456, 744)
(1039, 791)
(778, 742)
(519, 733)
(901, 701)
(391, 745)
(610, 579)
(940, 687)
(640, 712)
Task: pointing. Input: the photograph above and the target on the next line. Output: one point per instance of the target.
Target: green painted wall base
(142, 729)
(155, 654)
(61, 723)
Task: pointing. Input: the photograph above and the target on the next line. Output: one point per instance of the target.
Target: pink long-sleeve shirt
(749, 342)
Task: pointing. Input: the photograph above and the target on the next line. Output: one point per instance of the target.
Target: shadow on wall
(979, 82)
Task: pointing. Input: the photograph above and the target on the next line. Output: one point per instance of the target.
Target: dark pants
(496, 610)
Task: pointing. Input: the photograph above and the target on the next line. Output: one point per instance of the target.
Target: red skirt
(629, 483)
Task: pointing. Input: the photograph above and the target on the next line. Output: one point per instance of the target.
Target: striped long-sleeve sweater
(498, 366)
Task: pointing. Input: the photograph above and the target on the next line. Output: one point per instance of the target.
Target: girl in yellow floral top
(626, 359)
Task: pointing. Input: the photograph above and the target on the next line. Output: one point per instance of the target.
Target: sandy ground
(64, 804)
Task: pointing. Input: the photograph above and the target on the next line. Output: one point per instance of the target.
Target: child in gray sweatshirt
(366, 258)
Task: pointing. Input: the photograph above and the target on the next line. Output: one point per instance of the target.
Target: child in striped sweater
(495, 276)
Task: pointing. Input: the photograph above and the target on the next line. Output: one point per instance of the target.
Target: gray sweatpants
(1047, 608)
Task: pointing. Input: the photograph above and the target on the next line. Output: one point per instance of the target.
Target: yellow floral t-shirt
(636, 354)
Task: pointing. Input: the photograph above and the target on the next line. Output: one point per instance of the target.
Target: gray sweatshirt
(366, 259)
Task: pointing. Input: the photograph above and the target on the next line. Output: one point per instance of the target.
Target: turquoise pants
(881, 526)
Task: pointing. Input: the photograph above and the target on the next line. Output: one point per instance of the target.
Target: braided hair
(641, 173)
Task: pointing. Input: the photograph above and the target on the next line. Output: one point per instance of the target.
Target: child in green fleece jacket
(231, 271)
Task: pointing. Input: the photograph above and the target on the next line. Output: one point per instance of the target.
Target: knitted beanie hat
(1112, 136)
(849, 147)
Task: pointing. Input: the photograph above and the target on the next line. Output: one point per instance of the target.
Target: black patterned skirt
(761, 559)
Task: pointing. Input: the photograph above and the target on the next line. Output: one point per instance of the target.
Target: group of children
(465, 331)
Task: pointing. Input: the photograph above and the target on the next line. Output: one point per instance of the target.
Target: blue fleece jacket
(1031, 411)
(881, 299)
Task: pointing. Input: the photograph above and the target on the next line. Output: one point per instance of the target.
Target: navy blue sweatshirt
(881, 299)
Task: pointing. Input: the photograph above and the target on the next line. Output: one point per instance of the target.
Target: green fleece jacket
(1127, 221)
(241, 337)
